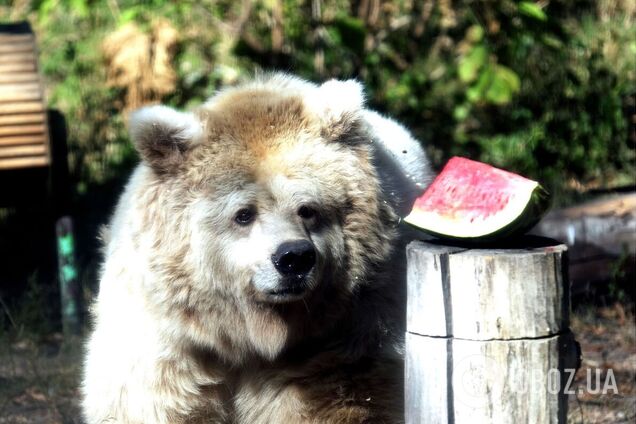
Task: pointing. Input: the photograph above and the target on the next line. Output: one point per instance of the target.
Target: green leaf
(475, 33)
(79, 7)
(508, 75)
(504, 85)
(128, 15)
(470, 64)
(461, 112)
(45, 9)
(476, 93)
(532, 10)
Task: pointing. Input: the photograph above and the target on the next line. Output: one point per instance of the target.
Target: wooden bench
(24, 133)
(33, 156)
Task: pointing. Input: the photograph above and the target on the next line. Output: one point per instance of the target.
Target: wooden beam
(18, 47)
(17, 67)
(19, 96)
(27, 118)
(16, 38)
(21, 107)
(24, 162)
(17, 57)
(17, 87)
(21, 77)
(24, 150)
(23, 139)
(22, 129)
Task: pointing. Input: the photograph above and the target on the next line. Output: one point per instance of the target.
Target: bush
(543, 91)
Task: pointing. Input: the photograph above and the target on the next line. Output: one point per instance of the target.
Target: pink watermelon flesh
(473, 200)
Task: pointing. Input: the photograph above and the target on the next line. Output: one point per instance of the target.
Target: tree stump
(487, 333)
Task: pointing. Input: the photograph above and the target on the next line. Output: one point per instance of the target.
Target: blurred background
(543, 88)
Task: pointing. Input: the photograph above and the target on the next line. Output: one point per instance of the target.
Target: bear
(254, 265)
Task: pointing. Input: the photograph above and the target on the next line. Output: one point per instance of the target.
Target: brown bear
(254, 266)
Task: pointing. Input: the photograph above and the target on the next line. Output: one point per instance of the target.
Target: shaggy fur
(187, 329)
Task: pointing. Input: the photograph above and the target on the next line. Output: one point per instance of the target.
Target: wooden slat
(28, 118)
(21, 129)
(16, 38)
(22, 107)
(18, 87)
(17, 67)
(22, 47)
(19, 96)
(19, 77)
(25, 150)
(17, 58)
(23, 139)
(25, 162)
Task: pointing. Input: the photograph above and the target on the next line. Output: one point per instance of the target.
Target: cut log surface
(487, 333)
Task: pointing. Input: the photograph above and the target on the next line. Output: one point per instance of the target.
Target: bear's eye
(244, 216)
(305, 212)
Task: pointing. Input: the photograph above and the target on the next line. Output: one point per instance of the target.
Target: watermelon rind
(522, 212)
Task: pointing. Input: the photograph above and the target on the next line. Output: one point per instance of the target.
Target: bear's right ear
(163, 135)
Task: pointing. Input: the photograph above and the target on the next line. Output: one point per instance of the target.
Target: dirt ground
(608, 344)
(39, 380)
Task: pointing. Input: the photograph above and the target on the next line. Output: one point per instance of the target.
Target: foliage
(540, 88)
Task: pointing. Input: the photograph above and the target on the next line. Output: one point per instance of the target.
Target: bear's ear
(338, 104)
(163, 136)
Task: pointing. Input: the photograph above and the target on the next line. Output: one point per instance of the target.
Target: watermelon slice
(474, 201)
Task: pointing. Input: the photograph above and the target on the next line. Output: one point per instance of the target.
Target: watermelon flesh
(473, 200)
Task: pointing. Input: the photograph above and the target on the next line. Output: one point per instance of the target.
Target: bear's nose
(294, 257)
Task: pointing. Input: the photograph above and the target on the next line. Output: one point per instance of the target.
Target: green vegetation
(544, 89)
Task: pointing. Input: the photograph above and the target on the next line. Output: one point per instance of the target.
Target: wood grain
(487, 333)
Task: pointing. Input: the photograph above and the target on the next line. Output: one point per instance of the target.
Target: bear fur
(194, 322)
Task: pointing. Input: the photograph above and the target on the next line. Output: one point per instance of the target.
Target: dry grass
(142, 63)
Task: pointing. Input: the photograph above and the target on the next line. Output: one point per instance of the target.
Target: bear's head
(264, 212)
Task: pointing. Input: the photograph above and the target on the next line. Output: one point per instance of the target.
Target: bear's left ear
(163, 136)
(338, 104)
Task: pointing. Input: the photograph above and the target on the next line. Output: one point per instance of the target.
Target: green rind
(536, 208)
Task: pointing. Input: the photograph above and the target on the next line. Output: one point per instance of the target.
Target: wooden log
(487, 333)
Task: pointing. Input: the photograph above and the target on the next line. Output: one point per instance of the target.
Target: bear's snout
(294, 258)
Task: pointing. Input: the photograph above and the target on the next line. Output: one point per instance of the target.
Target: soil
(39, 378)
